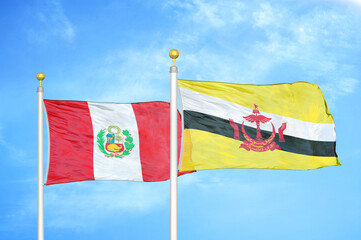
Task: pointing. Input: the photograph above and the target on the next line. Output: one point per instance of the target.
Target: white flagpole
(173, 148)
(40, 76)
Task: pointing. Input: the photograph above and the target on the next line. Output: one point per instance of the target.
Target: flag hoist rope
(40, 76)
(173, 148)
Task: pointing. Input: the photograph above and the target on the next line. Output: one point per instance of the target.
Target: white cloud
(140, 75)
(267, 16)
(356, 3)
(313, 44)
(14, 151)
(291, 38)
(210, 13)
(338, 87)
(84, 205)
(309, 41)
(53, 22)
(348, 85)
(123, 75)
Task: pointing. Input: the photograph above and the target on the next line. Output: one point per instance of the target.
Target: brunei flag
(281, 126)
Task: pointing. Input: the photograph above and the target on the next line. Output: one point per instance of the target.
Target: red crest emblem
(259, 144)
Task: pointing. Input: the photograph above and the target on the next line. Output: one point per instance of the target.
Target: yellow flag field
(282, 126)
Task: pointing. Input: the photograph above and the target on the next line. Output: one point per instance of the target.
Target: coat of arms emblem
(114, 142)
(259, 144)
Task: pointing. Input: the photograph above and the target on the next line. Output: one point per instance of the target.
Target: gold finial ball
(173, 53)
(40, 76)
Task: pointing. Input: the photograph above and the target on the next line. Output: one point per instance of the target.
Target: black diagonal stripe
(209, 123)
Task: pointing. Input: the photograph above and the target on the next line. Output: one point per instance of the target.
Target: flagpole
(173, 147)
(40, 76)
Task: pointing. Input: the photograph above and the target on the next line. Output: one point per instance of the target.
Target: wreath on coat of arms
(115, 143)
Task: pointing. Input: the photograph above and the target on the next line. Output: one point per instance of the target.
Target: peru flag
(108, 141)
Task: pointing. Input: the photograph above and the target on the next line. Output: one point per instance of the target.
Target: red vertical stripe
(71, 142)
(153, 120)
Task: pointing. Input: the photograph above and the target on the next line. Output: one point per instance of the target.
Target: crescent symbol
(263, 143)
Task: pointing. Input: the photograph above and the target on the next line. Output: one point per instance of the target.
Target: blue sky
(118, 51)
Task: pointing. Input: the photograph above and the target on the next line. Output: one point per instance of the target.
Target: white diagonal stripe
(210, 105)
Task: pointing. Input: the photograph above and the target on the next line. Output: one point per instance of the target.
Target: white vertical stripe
(128, 168)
